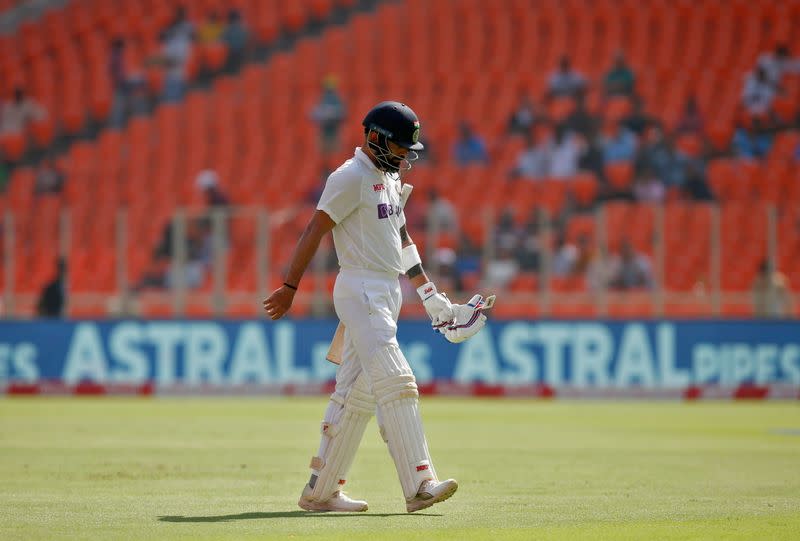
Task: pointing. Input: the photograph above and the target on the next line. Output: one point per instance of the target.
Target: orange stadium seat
(245, 127)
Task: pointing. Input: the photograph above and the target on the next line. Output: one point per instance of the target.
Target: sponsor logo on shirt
(427, 290)
(378, 187)
(385, 210)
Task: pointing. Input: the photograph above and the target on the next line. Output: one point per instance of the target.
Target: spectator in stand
(236, 37)
(696, 186)
(656, 154)
(591, 156)
(569, 258)
(502, 268)
(772, 297)
(618, 143)
(580, 120)
(631, 270)
(441, 213)
(648, 188)
(329, 114)
(181, 28)
(447, 272)
(638, 120)
(19, 112)
(523, 118)
(53, 296)
(529, 245)
(176, 48)
(207, 181)
(758, 93)
(49, 178)
(601, 269)
(565, 154)
(620, 79)
(691, 120)
(470, 147)
(534, 161)
(210, 31)
(130, 93)
(565, 81)
(777, 63)
(505, 233)
(752, 143)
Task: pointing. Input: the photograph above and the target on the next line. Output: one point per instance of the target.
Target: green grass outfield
(224, 468)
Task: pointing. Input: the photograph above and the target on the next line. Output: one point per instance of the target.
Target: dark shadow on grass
(285, 514)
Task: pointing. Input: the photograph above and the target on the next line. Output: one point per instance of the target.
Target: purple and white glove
(437, 305)
(469, 319)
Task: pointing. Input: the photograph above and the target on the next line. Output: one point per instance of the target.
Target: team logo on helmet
(415, 135)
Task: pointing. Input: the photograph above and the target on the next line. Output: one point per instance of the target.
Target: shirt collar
(363, 158)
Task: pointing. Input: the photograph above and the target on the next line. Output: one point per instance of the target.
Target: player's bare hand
(279, 302)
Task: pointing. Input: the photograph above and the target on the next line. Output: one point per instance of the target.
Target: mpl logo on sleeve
(385, 210)
(378, 187)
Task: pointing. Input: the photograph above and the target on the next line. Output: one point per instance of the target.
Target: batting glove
(437, 305)
(468, 320)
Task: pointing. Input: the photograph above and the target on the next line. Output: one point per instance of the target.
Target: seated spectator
(49, 178)
(580, 120)
(758, 93)
(648, 188)
(529, 243)
(163, 272)
(601, 269)
(441, 213)
(176, 48)
(19, 112)
(772, 297)
(235, 36)
(328, 114)
(181, 27)
(564, 156)
(505, 232)
(591, 155)
(534, 161)
(619, 80)
(130, 94)
(501, 269)
(447, 272)
(210, 31)
(618, 144)
(207, 181)
(696, 186)
(752, 143)
(571, 259)
(657, 155)
(777, 63)
(638, 120)
(565, 81)
(631, 270)
(523, 118)
(691, 120)
(470, 147)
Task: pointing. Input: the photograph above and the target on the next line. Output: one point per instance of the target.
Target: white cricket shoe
(431, 492)
(339, 502)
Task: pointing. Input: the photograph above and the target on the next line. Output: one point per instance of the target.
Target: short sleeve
(341, 196)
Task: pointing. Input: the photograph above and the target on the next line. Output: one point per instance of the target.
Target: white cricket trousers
(368, 303)
(373, 371)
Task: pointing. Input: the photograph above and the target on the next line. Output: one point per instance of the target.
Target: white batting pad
(401, 424)
(342, 431)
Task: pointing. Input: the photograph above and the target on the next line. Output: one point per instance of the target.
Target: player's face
(398, 153)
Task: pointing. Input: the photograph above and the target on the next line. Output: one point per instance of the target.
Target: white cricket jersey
(365, 204)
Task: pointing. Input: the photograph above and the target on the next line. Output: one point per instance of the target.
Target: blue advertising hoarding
(579, 354)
